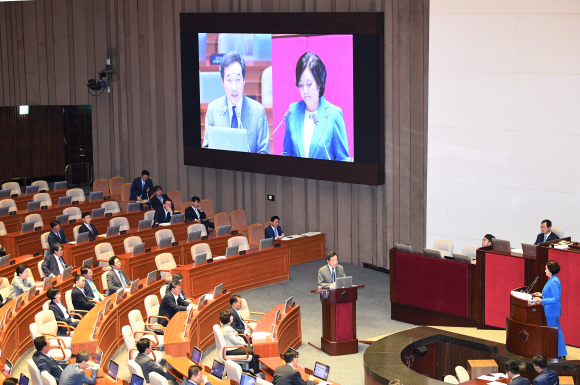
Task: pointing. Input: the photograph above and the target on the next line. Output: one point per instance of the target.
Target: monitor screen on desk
(98, 356)
(98, 213)
(501, 245)
(113, 369)
(23, 380)
(217, 369)
(63, 201)
(137, 380)
(82, 237)
(321, 371)
(8, 368)
(287, 305)
(196, 355)
(31, 190)
(432, 253)
(5, 194)
(247, 379)
(60, 185)
(133, 207)
(95, 196)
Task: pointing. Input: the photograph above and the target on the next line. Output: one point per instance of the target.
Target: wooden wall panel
(50, 48)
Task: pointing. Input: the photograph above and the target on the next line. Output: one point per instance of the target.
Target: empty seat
(255, 234)
(43, 198)
(559, 232)
(222, 219)
(72, 212)
(149, 215)
(207, 207)
(239, 221)
(48, 325)
(240, 241)
(267, 99)
(126, 195)
(77, 194)
(210, 86)
(470, 251)
(450, 379)
(130, 242)
(101, 185)
(104, 251)
(233, 370)
(58, 349)
(42, 185)
(176, 197)
(115, 185)
(44, 243)
(122, 222)
(201, 248)
(445, 247)
(164, 233)
(138, 327)
(36, 218)
(197, 227)
(8, 203)
(14, 187)
(164, 263)
(462, 374)
(76, 231)
(111, 207)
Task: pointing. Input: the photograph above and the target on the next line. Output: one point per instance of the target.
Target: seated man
(91, 290)
(178, 277)
(287, 374)
(43, 361)
(274, 230)
(147, 363)
(546, 376)
(53, 263)
(59, 310)
(547, 234)
(78, 296)
(486, 241)
(164, 213)
(158, 199)
(196, 213)
(141, 187)
(86, 226)
(116, 278)
(238, 323)
(327, 274)
(74, 374)
(195, 376)
(513, 372)
(171, 303)
(57, 234)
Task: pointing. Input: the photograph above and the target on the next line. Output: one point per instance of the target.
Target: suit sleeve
(63, 236)
(95, 230)
(112, 282)
(208, 123)
(551, 294)
(46, 267)
(268, 233)
(538, 239)
(42, 365)
(321, 281)
(82, 302)
(263, 138)
(189, 213)
(339, 140)
(134, 191)
(57, 314)
(298, 380)
(90, 380)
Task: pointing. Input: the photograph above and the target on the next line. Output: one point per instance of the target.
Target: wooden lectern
(339, 320)
(526, 335)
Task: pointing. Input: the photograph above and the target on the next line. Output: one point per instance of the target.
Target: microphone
(286, 115)
(532, 285)
(241, 126)
(315, 118)
(224, 110)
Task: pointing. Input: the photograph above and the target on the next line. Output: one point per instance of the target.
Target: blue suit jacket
(137, 189)
(551, 297)
(547, 377)
(269, 232)
(52, 238)
(540, 238)
(160, 216)
(253, 118)
(331, 124)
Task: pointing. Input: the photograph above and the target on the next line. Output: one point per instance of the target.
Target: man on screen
(236, 110)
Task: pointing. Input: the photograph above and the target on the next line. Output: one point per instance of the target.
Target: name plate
(204, 238)
(37, 228)
(148, 250)
(233, 232)
(106, 198)
(175, 244)
(277, 244)
(242, 252)
(75, 202)
(14, 196)
(41, 191)
(91, 239)
(12, 212)
(109, 214)
(155, 226)
(216, 58)
(36, 254)
(12, 261)
(43, 207)
(72, 220)
(122, 232)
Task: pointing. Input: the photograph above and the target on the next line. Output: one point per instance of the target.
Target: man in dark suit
(116, 278)
(274, 230)
(513, 372)
(171, 303)
(158, 199)
(147, 363)
(57, 234)
(86, 226)
(195, 376)
(78, 296)
(164, 213)
(547, 234)
(238, 323)
(53, 263)
(179, 278)
(43, 361)
(194, 212)
(91, 290)
(546, 376)
(74, 374)
(287, 374)
(141, 187)
(59, 311)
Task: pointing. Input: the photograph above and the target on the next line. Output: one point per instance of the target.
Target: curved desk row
(23, 199)
(31, 261)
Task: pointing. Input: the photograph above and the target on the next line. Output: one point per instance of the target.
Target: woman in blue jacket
(315, 127)
(550, 300)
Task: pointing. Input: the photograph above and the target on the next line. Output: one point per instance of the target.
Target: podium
(526, 335)
(339, 320)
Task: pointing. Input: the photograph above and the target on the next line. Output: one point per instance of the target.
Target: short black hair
(235, 298)
(512, 367)
(540, 361)
(52, 292)
(112, 260)
(143, 344)
(177, 277)
(553, 267)
(78, 277)
(10, 381)
(144, 172)
(547, 222)
(85, 270)
(85, 214)
(55, 247)
(225, 316)
(83, 356)
(21, 268)
(230, 58)
(157, 188)
(173, 284)
(330, 255)
(274, 218)
(53, 224)
(40, 343)
(195, 199)
(167, 200)
(290, 355)
(489, 237)
(316, 66)
(193, 370)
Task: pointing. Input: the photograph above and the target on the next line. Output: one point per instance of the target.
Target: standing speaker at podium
(327, 274)
(550, 300)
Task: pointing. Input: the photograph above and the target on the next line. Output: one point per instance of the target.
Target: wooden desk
(109, 337)
(32, 263)
(288, 332)
(475, 381)
(179, 367)
(477, 368)
(268, 365)
(306, 249)
(242, 272)
(103, 222)
(199, 331)
(22, 199)
(15, 336)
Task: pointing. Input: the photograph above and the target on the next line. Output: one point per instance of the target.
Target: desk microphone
(242, 126)
(224, 110)
(315, 118)
(532, 285)
(286, 115)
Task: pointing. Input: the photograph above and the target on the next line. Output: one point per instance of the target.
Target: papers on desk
(560, 247)
(493, 378)
(519, 251)
(311, 233)
(495, 383)
(520, 295)
(499, 375)
(219, 258)
(164, 224)
(102, 235)
(209, 296)
(260, 335)
(292, 237)
(72, 243)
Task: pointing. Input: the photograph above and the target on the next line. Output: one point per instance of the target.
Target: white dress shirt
(245, 325)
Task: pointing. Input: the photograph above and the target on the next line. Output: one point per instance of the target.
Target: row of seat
(14, 187)
(44, 199)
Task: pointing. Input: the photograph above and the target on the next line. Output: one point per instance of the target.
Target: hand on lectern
(537, 294)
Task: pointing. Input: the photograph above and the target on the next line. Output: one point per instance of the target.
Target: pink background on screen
(335, 51)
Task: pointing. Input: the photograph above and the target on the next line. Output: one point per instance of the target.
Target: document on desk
(219, 258)
(520, 295)
(311, 233)
(495, 383)
(165, 224)
(260, 335)
(486, 378)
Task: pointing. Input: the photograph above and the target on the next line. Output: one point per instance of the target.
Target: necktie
(96, 295)
(234, 118)
(168, 216)
(58, 234)
(333, 276)
(161, 199)
(275, 232)
(121, 279)
(60, 263)
(545, 238)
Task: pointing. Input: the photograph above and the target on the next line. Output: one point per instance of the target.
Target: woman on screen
(315, 127)
(550, 298)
